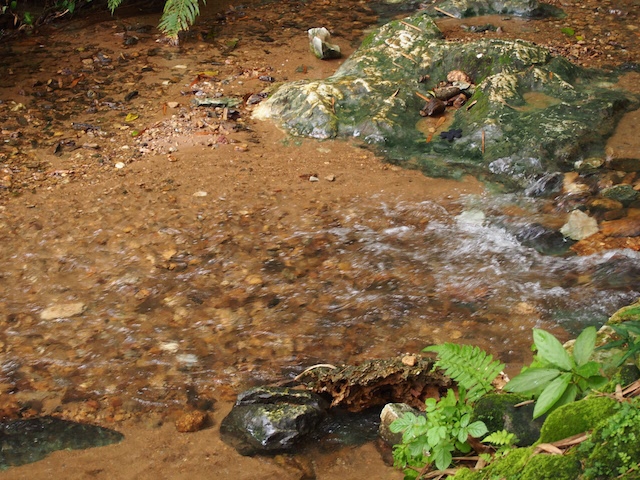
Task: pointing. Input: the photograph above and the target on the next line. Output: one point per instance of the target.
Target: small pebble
(119, 165)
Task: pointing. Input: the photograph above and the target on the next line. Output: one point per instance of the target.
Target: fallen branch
(444, 13)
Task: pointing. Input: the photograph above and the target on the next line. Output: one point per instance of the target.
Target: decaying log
(410, 379)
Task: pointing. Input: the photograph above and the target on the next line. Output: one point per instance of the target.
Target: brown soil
(80, 209)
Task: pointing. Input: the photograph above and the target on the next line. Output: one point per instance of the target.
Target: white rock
(579, 226)
(63, 310)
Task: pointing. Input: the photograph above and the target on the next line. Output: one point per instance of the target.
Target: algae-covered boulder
(576, 417)
(499, 412)
(530, 112)
(613, 449)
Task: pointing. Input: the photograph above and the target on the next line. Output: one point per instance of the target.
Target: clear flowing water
(174, 300)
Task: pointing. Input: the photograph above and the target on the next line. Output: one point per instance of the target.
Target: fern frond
(178, 15)
(469, 366)
(113, 4)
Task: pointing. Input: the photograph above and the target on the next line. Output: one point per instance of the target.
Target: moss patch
(576, 418)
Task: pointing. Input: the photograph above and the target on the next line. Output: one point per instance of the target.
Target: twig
(313, 367)
(411, 26)
(483, 142)
(423, 97)
(444, 13)
(522, 404)
(408, 56)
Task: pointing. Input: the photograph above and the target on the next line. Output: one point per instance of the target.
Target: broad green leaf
(433, 437)
(430, 403)
(477, 429)
(442, 457)
(596, 382)
(551, 394)
(531, 380)
(465, 419)
(551, 350)
(568, 396)
(589, 369)
(463, 447)
(402, 423)
(584, 345)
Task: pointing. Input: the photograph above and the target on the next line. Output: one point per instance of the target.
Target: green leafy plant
(433, 438)
(447, 426)
(178, 15)
(629, 341)
(612, 451)
(556, 378)
(469, 366)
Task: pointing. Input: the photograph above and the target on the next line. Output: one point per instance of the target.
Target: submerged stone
(271, 420)
(531, 113)
(29, 440)
(579, 226)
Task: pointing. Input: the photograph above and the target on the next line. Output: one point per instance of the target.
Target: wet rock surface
(271, 420)
(522, 90)
(29, 440)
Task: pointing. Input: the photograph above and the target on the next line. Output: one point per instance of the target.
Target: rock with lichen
(529, 112)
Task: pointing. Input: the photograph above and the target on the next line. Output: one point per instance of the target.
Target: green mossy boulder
(498, 412)
(576, 417)
(530, 112)
(613, 450)
(551, 467)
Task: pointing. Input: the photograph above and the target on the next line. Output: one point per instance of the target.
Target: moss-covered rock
(614, 447)
(498, 412)
(532, 112)
(551, 467)
(576, 417)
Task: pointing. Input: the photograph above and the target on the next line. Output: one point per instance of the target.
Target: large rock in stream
(530, 112)
(271, 419)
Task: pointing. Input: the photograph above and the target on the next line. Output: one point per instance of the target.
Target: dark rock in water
(271, 420)
(342, 428)
(544, 240)
(498, 412)
(451, 134)
(30, 440)
(530, 112)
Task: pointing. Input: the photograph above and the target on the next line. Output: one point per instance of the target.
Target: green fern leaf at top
(113, 4)
(469, 366)
(178, 15)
